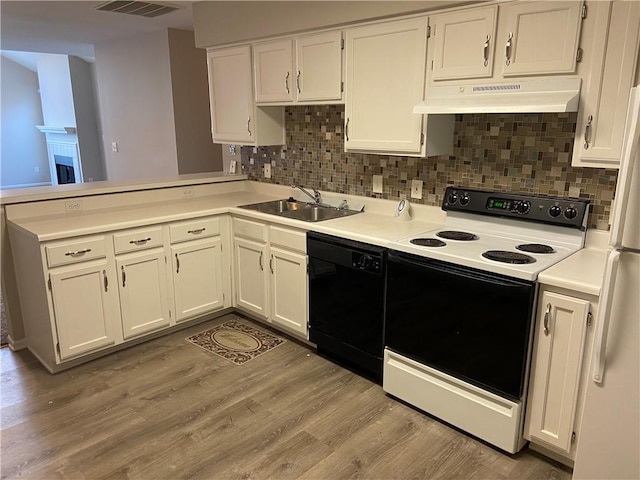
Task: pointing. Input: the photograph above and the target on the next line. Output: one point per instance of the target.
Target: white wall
(55, 91)
(192, 118)
(220, 22)
(84, 99)
(23, 146)
(136, 108)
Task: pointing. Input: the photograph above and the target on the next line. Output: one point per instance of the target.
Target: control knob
(555, 211)
(365, 262)
(523, 208)
(571, 213)
(452, 198)
(464, 199)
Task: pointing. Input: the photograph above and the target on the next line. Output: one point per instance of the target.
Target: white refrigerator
(609, 437)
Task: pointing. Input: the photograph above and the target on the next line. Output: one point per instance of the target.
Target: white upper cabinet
(306, 70)
(385, 77)
(234, 117)
(613, 33)
(539, 38)
(273, 67)
(463, 44)
(319, 67)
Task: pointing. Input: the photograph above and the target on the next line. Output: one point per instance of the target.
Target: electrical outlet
(377, 184)
(416, 189)
(267, 170)
(114, 146)
(73, 206)
(232, 167)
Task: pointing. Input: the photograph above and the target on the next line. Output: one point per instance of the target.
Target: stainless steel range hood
(528, 96)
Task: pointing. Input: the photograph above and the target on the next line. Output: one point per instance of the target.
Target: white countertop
(70, 190)
(581, 272)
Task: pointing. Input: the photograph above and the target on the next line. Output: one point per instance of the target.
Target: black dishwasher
(346, 301)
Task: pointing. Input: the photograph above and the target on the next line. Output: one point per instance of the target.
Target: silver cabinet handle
(177, 264)
(508, 49)
(587, 132)
(261, 265)
(248, 125)
(298, 82)
(547, 314)
(286, 83)
(78, 253)
(142, 241)
(197, 231)
(485, 52)
(271, 264)
(124, 277)
(346, 130)
(106, 280)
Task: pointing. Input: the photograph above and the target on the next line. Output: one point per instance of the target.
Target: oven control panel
(570, 212)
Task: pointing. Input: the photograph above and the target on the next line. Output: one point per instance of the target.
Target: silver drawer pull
(197, 231)
(485, 51)
(78, 253)
(106, 280)
(142, 241)
(587, 132)
(508, 49)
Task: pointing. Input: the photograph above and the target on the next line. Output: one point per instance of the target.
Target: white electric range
(460, 307)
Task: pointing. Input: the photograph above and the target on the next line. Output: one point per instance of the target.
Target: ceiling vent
(142, 9)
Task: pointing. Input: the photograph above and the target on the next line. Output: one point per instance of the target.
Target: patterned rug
(236, 341)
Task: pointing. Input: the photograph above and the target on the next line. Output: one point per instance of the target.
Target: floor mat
(236, 341)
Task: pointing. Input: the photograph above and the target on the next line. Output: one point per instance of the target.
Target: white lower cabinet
(271, 273)
(197, 277)
(557, 370)
(143, 292)
(200, 272)
(85, 307)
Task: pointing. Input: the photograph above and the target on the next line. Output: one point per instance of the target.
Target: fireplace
(64, 155)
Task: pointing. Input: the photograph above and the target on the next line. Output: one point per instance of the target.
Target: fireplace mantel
(63, 130)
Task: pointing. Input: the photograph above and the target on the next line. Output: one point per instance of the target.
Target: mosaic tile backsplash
(518, 153)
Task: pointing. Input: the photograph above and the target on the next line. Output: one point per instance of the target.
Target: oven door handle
(452, 269)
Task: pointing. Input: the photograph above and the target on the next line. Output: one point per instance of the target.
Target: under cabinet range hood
(527, 96)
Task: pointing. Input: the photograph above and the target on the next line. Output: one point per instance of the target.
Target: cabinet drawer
(249, 229)
(194, 229)
(288, 238)
(141, 239)
(79, 250)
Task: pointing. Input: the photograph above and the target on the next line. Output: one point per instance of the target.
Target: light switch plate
(377, 184)
(416, 189)
(267, 170)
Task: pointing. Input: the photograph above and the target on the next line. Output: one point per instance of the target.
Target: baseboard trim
(16, 345)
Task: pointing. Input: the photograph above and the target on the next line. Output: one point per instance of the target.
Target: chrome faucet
(316, 194)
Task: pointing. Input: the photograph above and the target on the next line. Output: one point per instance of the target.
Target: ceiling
(74, 27)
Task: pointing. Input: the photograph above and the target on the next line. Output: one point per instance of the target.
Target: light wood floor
(168, 409)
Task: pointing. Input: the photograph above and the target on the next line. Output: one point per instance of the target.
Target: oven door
(470, 324)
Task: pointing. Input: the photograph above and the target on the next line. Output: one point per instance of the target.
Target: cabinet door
(539, 37)
(463, 44)
(197, 277)
(142, 284)
(555, 376)
(251, 276)
(289, 290)
(273, 69)
(231, 95)
(385, 78)
(319, 67)
(605, 91)
(84, 309)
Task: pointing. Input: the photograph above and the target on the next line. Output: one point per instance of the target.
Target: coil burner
(508, 257)
(428, 242)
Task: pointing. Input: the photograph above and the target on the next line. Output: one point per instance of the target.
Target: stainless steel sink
(307, 212)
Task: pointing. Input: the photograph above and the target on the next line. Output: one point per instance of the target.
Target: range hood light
(531, 96)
